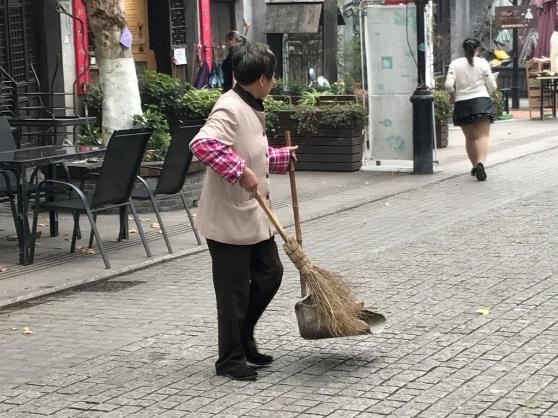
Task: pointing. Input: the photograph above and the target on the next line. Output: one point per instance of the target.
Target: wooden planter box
(442, 132)
(326, 150)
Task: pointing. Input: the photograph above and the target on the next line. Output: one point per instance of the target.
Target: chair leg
(140, 229)
(190, 217)
(94, 231)
(14, 215)
(76, 233)
(78, 229)
(91, 233)
(34, 230)
(123, 232)
(160, 220)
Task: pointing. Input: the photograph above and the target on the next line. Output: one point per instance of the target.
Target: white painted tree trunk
(117, 71)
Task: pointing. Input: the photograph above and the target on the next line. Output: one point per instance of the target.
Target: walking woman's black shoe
(474, 171)
(480, 173)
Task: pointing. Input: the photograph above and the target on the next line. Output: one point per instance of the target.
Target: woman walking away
(232, 40)
(470, 82)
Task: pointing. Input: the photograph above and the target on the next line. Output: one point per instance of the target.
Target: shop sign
(515, 17)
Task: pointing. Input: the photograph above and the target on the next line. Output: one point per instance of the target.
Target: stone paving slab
(143, 344)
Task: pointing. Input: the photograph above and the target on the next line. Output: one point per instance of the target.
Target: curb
(100, 277)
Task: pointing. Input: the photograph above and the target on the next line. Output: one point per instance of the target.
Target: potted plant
(329, 137)
(443, 111)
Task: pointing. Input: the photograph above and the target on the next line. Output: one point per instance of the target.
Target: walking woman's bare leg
(482, 135)
(470, 140)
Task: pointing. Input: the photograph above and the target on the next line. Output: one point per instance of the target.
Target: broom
(336, 308)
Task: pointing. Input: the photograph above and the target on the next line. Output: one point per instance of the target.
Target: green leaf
(530, 403)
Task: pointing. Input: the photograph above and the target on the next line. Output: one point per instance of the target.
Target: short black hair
(251, 61)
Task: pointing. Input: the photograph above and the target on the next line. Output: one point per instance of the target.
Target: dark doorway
(159, 34)
(222, 20)
(172, 24)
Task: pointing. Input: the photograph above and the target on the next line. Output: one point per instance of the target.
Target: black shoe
(481, 173)
(474, 171)
(259, 359)
(254, 357)
(242, 373)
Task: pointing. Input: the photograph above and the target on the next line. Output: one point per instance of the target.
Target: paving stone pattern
(143, 345)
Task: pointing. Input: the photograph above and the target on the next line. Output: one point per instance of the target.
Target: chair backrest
(7, 141)
(120, 166)
(178, 160)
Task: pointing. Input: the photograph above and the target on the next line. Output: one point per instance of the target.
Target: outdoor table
(19, 161)
(52, 127)
(548, 83)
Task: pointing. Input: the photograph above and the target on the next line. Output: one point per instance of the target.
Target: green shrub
(89, 135)
(272, 109)
(498, 100)
(443, 109)
(199, 102)
(165, 92)
(160, 139)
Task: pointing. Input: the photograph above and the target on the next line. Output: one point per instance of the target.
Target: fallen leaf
(132, 231)
(14, 329)
(27, 331)
(155, 225)
(3, 269)
(85, 250)
(483, 311)
(145, 220)
(530, 403)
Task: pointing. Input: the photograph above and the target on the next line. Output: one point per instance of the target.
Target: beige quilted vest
(226, 213)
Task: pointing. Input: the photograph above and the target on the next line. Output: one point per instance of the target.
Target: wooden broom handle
(294, 193)
(271, 216)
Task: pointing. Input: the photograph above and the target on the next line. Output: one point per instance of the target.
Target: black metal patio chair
(112, 190)
(8, 195)
(8, 180)
(173, 174)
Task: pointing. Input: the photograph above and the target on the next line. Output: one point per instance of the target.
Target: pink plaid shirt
(229, 165)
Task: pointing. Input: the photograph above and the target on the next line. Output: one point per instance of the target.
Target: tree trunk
(117, 70)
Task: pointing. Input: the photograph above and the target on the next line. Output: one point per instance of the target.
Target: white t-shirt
(470, 81)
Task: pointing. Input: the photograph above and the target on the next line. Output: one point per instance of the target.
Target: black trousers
(246, 277)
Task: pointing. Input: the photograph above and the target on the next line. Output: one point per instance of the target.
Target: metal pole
(515, 70)
(423, 109)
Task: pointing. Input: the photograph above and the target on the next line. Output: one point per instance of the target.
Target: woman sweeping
(247, 270)
(470, 82)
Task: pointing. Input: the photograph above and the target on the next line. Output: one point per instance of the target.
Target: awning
(293, 17)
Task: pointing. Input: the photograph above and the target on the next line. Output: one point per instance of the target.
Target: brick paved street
(143, 345)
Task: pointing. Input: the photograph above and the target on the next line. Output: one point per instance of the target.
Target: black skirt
(469, 111)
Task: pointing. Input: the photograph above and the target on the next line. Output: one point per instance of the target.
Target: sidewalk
(320, 193)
